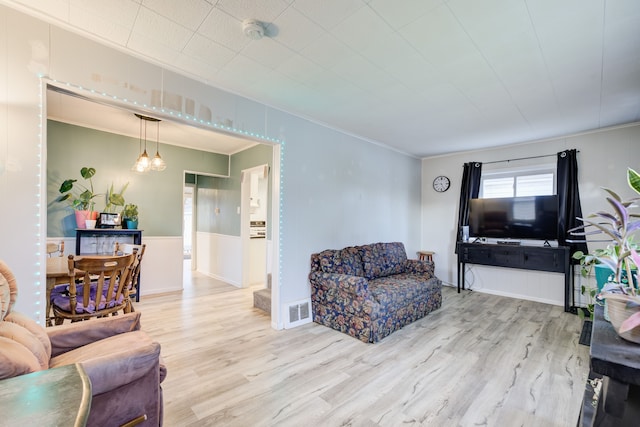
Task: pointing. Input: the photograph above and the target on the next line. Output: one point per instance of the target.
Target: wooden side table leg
(425, 255)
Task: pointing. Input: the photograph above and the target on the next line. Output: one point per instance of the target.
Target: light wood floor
(480, 360)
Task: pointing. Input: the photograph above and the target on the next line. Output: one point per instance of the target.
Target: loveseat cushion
(70, 336)
(114, 361)
(341, 261)
(29, 334)
(16, 359)
(383, 259)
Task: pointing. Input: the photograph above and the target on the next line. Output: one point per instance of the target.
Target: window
(521, 183)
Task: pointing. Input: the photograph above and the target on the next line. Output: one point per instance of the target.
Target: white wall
(336, 190)
(339, 191)
(220, 256)
(602, 162)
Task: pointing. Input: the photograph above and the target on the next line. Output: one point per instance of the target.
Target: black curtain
(569, 208)
(470, 188)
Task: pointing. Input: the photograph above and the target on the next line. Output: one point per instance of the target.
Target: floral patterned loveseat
(370, 291)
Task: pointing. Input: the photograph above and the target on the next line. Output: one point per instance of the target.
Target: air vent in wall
(299, 313)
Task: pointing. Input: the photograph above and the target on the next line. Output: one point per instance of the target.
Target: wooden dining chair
(55, 249)
(98, 286)
(56, 285)
(134, 278)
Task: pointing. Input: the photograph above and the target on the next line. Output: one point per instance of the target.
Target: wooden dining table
(57, 274)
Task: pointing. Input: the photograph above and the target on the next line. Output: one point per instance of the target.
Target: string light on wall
(144, 163)
(92, 93)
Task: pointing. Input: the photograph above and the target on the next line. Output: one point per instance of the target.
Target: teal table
(53, 397)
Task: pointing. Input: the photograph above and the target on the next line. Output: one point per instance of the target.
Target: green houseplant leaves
(82, 198)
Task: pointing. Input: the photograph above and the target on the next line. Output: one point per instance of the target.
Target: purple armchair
(123, 363)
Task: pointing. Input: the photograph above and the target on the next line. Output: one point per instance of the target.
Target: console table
(555, 259)
(100, 241)
(617, 363)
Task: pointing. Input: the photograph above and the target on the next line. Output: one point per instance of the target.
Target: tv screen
(534, 217)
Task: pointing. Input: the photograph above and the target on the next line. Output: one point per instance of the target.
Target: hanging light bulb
(157, 163)
(144, 163)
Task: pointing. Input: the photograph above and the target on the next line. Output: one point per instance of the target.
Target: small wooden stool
(425, 255)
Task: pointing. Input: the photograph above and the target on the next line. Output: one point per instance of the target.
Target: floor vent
(299, 313)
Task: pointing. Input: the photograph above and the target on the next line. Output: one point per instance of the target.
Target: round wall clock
(441, 184)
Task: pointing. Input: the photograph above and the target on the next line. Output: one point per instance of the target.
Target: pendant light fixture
(157, 163)
(144, 163)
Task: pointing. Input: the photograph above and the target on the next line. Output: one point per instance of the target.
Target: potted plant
(113, 201)
(620, 256)
(130, 216)
(82, 199)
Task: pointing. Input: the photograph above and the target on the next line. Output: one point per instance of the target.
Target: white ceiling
(423, 76)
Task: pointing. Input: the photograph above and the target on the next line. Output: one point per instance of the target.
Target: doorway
(188, 228)
(83, 101)
(254, 212)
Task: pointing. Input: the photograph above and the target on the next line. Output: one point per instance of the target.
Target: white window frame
(521, 171)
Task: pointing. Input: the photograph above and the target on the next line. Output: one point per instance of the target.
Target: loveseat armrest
(73, 335)
(355, 285)
(116, 361)
(423, 267)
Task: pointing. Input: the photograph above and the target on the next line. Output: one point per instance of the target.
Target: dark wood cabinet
(540, 258)
(616, 363)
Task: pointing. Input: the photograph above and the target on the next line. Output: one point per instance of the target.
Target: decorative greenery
(591, 292)
(115, 199)
(130, 211)
(85, 199)
(621, 255)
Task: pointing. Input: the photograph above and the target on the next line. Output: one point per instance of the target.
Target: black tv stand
(540, 258)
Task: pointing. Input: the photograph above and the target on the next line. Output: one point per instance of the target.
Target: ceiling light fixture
(158, 163)
(143, 163)
(253, 29)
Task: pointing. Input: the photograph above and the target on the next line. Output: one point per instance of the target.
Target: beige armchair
(123, 363)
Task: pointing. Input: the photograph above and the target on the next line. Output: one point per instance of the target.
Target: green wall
(224, 193)
(207, 201)
(157, 194)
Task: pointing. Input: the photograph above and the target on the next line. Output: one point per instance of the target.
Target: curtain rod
(523, 158)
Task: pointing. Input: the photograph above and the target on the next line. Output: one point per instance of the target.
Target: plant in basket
(621, 227)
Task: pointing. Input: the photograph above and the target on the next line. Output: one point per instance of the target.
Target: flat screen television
(534, 217)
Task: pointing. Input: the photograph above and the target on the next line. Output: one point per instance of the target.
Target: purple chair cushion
(63, 301)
